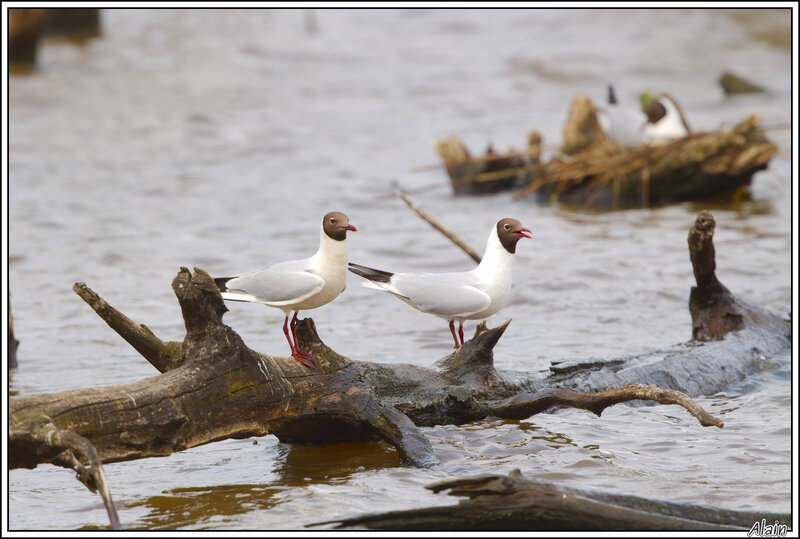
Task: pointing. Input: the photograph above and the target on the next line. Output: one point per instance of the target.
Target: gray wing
(444, 294)
(281, 284)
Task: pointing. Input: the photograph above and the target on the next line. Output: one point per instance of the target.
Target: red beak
(351, 227)
(524, 232)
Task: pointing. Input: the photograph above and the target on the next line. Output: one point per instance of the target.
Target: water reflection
(191, 506)
(301, 464)
(212, 162)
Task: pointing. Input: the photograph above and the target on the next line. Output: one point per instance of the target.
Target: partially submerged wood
(696, 167)
(491, 172)
(734, 84)
(729, 337)
(76, 24)
(26, 28)
(12, 342)
(23, 36)
(500, 502)
(214, 387)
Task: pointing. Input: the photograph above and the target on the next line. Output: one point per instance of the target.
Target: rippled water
(217, 139)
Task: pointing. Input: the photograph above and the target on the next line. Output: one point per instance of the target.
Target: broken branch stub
(715, 311)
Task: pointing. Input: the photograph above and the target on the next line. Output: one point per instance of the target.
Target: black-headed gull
(622, 124)
(664, 122)
(298, 285)
(469, 295)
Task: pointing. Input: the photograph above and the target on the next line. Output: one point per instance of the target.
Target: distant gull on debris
(623, 124)
(664, 121)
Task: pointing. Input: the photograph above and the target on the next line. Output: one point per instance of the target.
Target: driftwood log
(498, 502)
(26, 27)
(591, 171)
(699, 166)
(214, 387)
(492, 172)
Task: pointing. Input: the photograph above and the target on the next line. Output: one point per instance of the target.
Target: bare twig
(524, 405)
(94, 478)
(438, 226)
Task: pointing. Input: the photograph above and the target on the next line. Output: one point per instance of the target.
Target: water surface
(218, 139)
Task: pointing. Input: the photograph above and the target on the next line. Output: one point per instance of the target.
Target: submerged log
(26, 27)
(73, 23)
(734, 84)
(23, 35)
(729, 337)
(491, 173)
(214, 387)
(498, 502)
(696, 167)
(12, 342)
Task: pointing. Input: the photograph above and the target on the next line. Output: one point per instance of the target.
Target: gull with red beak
(298, 285)
(469, 295)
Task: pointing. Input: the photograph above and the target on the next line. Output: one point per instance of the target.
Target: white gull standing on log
(469, 295)
(298, 285)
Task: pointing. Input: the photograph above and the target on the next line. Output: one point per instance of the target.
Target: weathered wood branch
(438, 226)
(162, 355)
(729, 337)
(214, 387)
(527, 404)
(498, 502)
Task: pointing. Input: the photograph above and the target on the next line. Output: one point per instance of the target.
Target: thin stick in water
(435, 224)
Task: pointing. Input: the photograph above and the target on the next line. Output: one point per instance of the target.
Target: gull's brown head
(509, 232)
(336, 224)
(655, 110)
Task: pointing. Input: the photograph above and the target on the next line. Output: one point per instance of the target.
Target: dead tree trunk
(498, 502)
(214, 387)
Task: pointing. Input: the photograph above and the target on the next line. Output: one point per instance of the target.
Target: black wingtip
(220, 282)
(371, 274)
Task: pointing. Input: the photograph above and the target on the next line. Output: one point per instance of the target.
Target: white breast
(494, 274)
(330, 263)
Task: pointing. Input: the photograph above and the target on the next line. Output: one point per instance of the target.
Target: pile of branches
(690, 168)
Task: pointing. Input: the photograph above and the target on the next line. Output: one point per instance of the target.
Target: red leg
(461, 331)
(303, 357)
(286, 332)
(453, 331)
(293, 325)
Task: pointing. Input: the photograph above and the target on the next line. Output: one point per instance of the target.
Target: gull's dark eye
(333, 220)
(506, 226)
